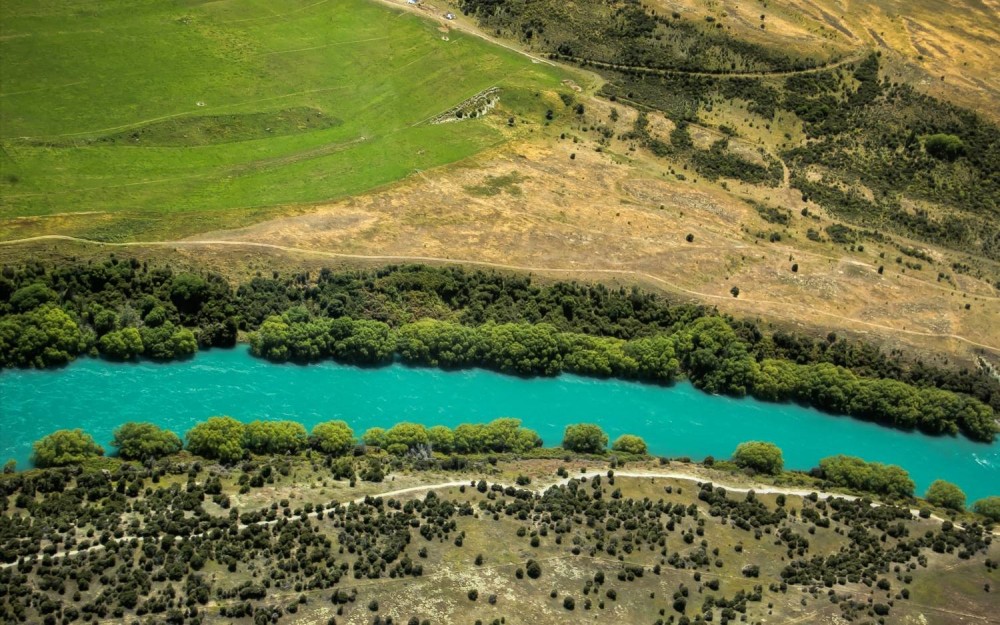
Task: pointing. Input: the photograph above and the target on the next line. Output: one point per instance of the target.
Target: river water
(679, 420)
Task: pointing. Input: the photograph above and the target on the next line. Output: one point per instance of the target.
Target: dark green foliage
(32, 296)
(839, 233)
(64, 447)
(627, 35)
(771, 214)
(719, 162)
(944, 147)
(144, 441)
(298, 337)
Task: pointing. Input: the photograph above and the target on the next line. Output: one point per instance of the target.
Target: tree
(143, 441)
(944, 147)
(946, 495)
(441, 438)
(403, 437)
(374, 437)
(534, 569)
(218, 438)
(274, 437)
(188, 292)
(165, 341)
(32, 296)
(989, 508)
(332, 437)
(64, 447)
(630, 444)
(585, 438)
(887, 480)
(759, 456)
(42, 337)
(124, 344)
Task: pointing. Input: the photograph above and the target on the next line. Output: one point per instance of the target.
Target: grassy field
(163, 119)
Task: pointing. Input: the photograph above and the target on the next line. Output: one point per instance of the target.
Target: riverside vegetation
(451, 317)
(325, 528)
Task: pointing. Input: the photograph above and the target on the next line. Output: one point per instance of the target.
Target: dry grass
(619, 215)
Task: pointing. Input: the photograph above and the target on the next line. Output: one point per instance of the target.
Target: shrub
(759, 456)
(944, 147)
(630, 444)
(946, 495)
(585, 438)
(874, 477)
(988, 507)
(533, 569)
(143, 441)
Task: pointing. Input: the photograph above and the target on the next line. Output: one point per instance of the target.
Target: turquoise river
(97, 396)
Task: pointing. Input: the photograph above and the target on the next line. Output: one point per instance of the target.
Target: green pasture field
(161, 119)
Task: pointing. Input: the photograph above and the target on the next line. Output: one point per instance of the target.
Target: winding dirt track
(674, 475)
(776, 306)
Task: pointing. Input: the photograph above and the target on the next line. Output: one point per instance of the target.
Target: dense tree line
(708, 350)
(452, 317)
(873, 477)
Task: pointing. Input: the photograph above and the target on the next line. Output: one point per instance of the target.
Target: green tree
(271, 340)
(124, 344)
(142, 441)
(32, 296)
(333, 437)
(166, 341)
(374, 437)
(946, 495)
(43, 337)
(441, 438)
(630, 444)
(944, 147)
(585, 438)
(274, 437)
(507, 435)
(874, 477)
(988, 507)
(188, 292)
(403, 437)
(760, 456)
(64, 447)
(218, 438)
